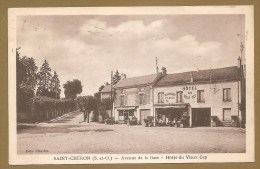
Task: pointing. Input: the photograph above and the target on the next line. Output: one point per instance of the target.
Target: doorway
(201, 117)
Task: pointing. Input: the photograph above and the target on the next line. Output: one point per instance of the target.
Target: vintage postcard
(107, 85)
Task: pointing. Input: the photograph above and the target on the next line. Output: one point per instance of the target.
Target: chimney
(164, 71)
(191, 77)
(238, 62)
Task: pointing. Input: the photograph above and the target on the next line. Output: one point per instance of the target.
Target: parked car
(132, 121)
(149, 121)
(110, 120)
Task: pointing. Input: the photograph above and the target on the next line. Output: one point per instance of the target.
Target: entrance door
(227, 114)
(126, 115)
(201, 117)
(144, 114)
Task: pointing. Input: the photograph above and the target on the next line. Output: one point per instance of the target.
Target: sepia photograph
(131, 85)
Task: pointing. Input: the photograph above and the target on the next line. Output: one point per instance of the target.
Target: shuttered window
(179, 97)
(122, 100)
(200, 96)
(227, 95)
(141, 98)
(160, 97)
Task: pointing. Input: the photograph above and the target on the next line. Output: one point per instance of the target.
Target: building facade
(105, 93)
(105, 98)
(133, 98)
(208, 97)
(213, 97)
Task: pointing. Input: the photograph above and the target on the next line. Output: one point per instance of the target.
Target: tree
(26, 81)
(20, 69)
(30, 78)
(55, 86)
(117, 77)
(88, 104)
(44, 77)
(72, 88)
(101, 87)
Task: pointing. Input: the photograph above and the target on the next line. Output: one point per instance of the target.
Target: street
(70, 135)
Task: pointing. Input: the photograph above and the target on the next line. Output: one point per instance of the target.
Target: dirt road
(70, 135)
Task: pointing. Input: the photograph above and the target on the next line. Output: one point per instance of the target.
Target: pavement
(70, 135)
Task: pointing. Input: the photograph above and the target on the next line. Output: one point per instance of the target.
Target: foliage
(20, 69)
(44, 76)
(106, 103)
(26, 81)
(55, 86)
(87, 104)
(72, 88)
(45, 108)
(30, 77)
(116, 78)
(102, 86)
(24, 96)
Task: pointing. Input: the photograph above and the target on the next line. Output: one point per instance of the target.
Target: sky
(89, 47)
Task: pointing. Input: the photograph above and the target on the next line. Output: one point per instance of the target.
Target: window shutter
(137, 97)
(126, 100)
(147, 95)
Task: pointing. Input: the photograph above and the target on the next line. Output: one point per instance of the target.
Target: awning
(126, 108)
(161, 106)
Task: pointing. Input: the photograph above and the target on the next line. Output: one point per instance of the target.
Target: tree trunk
(85, 115)
(47, 115)
(88, 117)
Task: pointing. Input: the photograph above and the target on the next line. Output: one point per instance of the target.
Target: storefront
(167, 114)
(126, 113)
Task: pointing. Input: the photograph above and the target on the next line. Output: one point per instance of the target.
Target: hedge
(45, 108)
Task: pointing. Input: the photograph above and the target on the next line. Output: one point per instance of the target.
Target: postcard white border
(249, 156)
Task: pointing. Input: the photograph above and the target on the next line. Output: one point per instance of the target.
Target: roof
(201, 76)
(106, 89)
(136, 81)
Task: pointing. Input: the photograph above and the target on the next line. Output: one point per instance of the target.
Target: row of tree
(38, 92)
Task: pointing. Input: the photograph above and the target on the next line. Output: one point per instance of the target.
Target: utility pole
(111, 93)
(157, 69)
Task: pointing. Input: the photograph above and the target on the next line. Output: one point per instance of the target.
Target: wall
(213, 96)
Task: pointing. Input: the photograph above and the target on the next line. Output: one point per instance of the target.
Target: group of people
(171, 123)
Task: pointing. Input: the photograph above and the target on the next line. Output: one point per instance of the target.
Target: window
(227, 95)
(226, 114)
(131, 113)
(179, 97)
(122, 100)
(121, 115)
(160, 97)
(141, 98)
(200, 96)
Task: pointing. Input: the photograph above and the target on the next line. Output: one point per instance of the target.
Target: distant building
(106, 92)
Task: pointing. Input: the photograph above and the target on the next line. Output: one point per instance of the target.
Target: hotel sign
(169, 97)
(189, 92)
